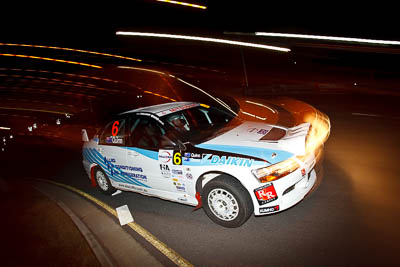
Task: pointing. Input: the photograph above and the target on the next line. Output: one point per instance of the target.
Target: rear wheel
(226, 202)
(103, 183)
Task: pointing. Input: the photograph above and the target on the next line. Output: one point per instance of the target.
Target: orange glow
(71, 49)
(183, 4)
(52, 59)
(319, 132)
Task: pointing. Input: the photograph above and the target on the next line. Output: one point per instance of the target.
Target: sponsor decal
(189, 176)
(164, 167)
(109, 162)
(131, 187)
(177, 172)
(258, 131)
(303, 172)
(129, 168)
(171, 110)
(262, 131)
(114, 140)
(183, 199)
(267, 210)
(252, 130)
(224, 160)
(180, 186)
(112, 160)
(193, 155)
(137, 176)
(165, 171)
(265, 194)
(165, 156)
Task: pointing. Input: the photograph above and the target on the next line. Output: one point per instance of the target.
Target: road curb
(101, 255)
(159, 245)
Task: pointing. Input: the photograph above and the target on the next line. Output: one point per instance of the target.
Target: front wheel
(226, 202)
(103, 183)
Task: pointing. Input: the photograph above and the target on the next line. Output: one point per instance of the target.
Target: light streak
(143, 69)
(261, 105)
(328, 38)
(254, 116)
(204, 92)
(5, 128)
(52, 59)
(183, 4)
(35, 110)
(202, 39)
(71, 49)
(166, 97)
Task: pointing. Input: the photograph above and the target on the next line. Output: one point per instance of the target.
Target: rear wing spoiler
(85, 137)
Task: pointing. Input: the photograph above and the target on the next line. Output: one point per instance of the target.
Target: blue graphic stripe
(115, 177)
(93, 159)
(90, 158)
(105, 168)
(208, 163)
(123, 177)
(258, 152)
(147, 153)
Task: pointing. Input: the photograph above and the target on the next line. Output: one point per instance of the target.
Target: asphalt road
(350, 220)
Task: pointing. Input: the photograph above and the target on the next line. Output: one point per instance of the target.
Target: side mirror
(85, 137)
(181, 146)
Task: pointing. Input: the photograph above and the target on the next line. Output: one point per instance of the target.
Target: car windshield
(198, 124)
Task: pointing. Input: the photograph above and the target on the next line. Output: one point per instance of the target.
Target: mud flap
(92, 177)
(200, 203)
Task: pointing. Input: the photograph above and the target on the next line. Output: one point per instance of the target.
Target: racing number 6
(114, 129)
(177, 158)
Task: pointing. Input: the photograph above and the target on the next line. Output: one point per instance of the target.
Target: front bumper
(291, 189)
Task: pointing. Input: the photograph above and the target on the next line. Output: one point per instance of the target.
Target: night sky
(94, 23)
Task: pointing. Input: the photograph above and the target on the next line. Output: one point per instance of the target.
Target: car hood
(273, 129)
(265, 141)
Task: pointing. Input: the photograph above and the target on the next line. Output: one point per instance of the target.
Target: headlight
(276, 171)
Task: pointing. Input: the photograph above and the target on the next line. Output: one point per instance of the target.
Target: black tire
(103, 183)
(226, 214)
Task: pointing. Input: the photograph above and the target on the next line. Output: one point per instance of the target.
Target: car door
(154, 148)
(111, 151)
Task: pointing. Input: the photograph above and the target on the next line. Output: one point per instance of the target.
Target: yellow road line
(162, 247)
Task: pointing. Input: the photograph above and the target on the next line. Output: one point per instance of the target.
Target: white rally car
(202, 156)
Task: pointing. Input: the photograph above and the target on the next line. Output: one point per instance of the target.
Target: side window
(146, 133)
(114, 133)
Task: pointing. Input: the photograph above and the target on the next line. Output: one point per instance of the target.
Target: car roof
(164, 109)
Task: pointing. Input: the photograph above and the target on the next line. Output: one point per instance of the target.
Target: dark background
(94, 22)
